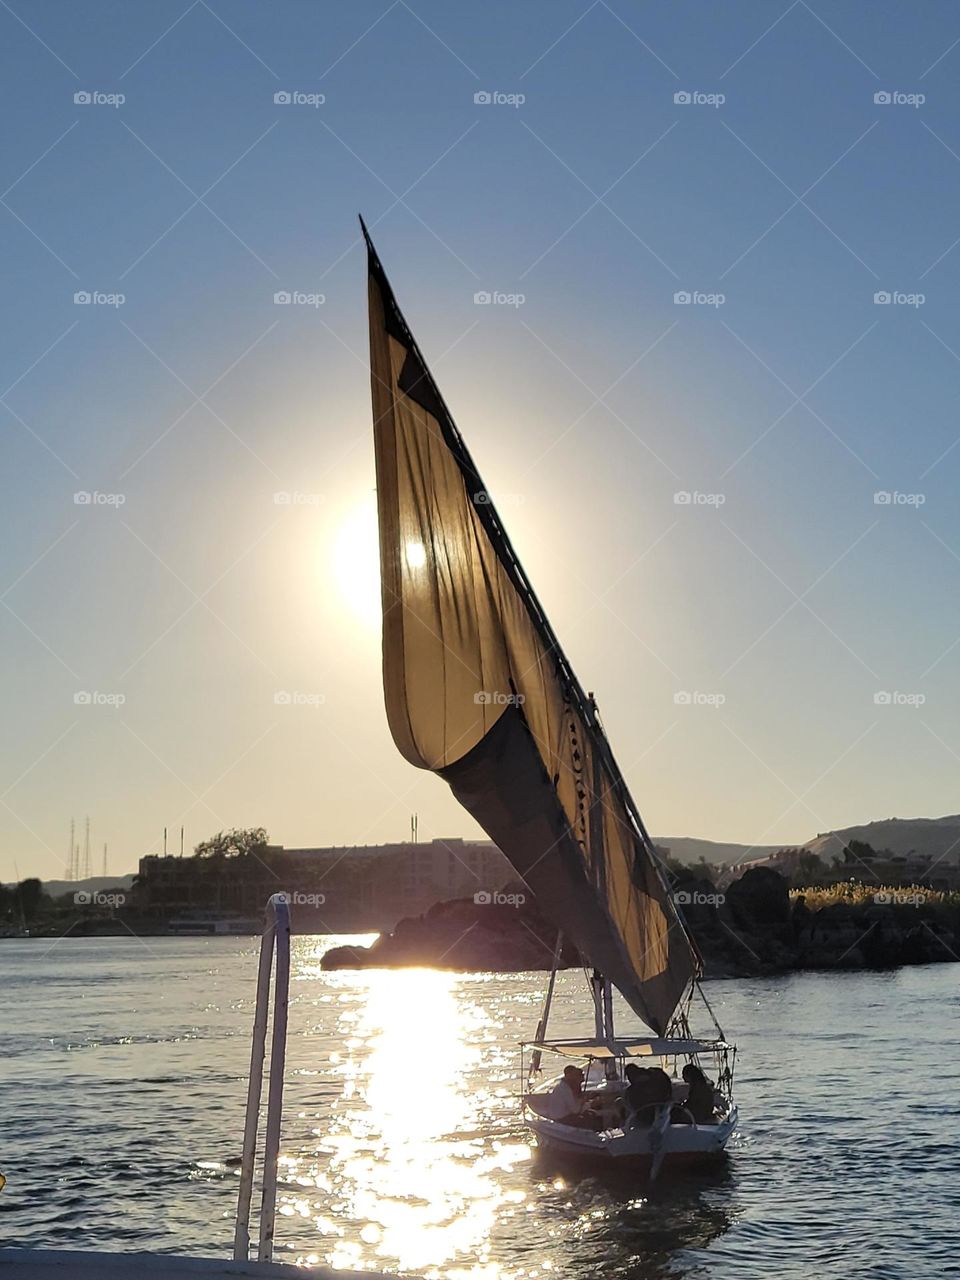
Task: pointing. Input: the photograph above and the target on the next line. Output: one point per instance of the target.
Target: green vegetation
(20, 903)
(238, 842)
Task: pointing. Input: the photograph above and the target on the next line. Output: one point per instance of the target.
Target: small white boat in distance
(666, 1134)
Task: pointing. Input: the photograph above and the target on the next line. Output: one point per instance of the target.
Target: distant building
(340, 888)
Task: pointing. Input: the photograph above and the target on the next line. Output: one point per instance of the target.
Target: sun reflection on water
(406, 1149)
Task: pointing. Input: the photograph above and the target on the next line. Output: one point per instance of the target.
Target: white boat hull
(677, 1144)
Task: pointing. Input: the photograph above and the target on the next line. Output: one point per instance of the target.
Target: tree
(858, 851)
(810, 870)
(703, 870)
(238, 842)
(29, 895)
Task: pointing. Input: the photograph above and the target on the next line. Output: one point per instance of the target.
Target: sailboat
(479, 691)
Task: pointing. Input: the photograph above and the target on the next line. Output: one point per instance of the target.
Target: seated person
(647, 1089)
(700, 1100)
(660, 1086)
(564, 1103)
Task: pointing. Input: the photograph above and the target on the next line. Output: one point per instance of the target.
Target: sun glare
(356, 562)
(405, 1157)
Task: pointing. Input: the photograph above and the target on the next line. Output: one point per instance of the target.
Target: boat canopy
(655, 1047)
(478, 689)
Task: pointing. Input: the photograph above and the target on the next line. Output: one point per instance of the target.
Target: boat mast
(547, 1002)
(602, 991)
(602, 988)
(608, 1008)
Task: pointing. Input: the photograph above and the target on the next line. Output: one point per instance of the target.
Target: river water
(122, 1086)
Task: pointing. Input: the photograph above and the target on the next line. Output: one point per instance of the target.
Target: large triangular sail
(478, 690)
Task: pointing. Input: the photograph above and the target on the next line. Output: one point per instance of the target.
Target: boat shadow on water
(643, 1229)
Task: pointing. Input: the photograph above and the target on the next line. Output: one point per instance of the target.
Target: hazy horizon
(712, 393)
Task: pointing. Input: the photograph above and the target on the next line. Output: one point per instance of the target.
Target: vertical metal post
(547, 1002)
(278, 1053)
(608, 1008)
(596, 990)
(276, 935)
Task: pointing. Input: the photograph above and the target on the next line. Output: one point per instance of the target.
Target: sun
(356, 562)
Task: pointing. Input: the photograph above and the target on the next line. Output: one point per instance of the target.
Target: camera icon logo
(682, 898)
(682, 98)
(281, 298)
(82, 898)
(682, 698)
(483, 98)
(82, 698)
(882, 298)
(682, 498)
(483, 898)
(482, 298)
(681, 298)
(282, 98)
(82, 498)
(882, 98)
(82, 298)
(883, 698)
(282, 698)
(883, 899)
(82, 98)
(483, 698)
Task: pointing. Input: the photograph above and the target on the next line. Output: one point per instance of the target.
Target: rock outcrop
(755, 927)
(501, 932)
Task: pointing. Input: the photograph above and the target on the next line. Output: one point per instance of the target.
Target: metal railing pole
(276, 936)
(278, 1053)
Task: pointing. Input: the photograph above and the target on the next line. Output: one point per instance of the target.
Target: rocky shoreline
(754, 927)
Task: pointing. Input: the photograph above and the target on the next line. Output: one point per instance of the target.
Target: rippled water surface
(122, 1086)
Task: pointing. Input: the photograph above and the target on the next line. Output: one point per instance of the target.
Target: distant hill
(688, 849)
(95, 884)
(938, 837)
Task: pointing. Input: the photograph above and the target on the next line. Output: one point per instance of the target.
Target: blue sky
(737, 643)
